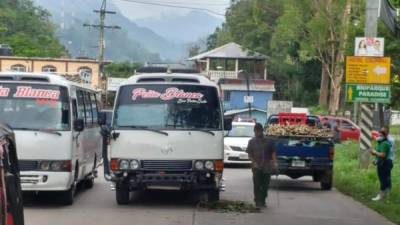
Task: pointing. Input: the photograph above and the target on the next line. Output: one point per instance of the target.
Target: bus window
(88, 109)
(81, 105)
(94, 107)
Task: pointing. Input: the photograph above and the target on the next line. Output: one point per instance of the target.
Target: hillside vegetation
(28, 29)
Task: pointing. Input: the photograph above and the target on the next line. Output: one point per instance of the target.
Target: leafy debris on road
(229, 207)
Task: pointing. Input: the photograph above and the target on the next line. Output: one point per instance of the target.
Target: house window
(86, 74)
(227, 96)
(49, 69)
(18, 68)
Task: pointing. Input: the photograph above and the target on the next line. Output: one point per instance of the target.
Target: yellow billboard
(367, 70)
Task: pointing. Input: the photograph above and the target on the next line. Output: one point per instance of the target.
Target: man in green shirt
(383, 163)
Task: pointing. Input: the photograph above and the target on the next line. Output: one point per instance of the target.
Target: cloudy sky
(135, 10)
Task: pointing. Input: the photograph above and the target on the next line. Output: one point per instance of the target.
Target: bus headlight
(209, 165)
(44, 165)
(134, 164)
(124, 164)
(199, 165)
(57, 166)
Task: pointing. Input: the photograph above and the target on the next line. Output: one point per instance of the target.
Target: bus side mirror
(102, 118)
(79, 125)
(227, 124)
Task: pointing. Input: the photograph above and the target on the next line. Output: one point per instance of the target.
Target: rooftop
(82, 60)
(231, 51)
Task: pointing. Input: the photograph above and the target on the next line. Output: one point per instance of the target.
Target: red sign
(4, 91)
(29, 92)
(170, 93)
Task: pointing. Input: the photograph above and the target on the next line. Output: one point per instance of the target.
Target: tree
(122, 70)
(28, 30)
(320, 27)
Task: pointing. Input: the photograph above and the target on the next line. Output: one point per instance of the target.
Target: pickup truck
(306, 154)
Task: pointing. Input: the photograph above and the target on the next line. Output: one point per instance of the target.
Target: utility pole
(248, 91)
(366, 120)
(101, 27)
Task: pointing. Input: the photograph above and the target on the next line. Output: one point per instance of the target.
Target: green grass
(362, 185)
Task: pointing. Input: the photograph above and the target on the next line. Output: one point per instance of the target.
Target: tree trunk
(335, 97)
(324, 88)
(338, 70)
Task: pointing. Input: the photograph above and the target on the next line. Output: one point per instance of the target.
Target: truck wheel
(326, 186)
(326, 180)
(316, 178)
(213, 196)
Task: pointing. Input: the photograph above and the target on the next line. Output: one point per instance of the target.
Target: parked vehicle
(167, 134)
(11, 205)
(304, 155)
(236, 141)
(348, 130)
(56, 127)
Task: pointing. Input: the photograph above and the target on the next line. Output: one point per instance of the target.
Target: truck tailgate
(300, 149)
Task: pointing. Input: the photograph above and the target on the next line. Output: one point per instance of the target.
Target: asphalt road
(299, 202)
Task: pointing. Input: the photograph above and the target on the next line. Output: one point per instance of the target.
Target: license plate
(298, 163)
(163, 187)
(244, 156)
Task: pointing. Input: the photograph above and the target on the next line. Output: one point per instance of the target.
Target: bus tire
(67, 197)
(213, 196)
(89, 182)
(122, 196)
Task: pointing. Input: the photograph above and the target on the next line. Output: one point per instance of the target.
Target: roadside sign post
(367, 82)
(368, 93)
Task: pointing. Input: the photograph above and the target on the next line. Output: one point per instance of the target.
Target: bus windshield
(34, 106)
(168, 107)
(241, 131)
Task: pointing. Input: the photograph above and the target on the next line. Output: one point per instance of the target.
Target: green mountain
(132, 42)
(28, 30)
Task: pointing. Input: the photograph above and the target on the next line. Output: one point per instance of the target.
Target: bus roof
(40, 78)
(168, 78)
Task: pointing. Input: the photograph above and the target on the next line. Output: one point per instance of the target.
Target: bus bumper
(169, 181)
(46, 181)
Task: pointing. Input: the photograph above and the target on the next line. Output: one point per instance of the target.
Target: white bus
(56, 128)
(167, 134)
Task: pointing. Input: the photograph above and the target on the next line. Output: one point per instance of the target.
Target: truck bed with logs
(303, 147)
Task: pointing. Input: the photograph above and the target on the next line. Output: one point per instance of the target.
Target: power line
(191, 3)
(174, 6)
(101, 26)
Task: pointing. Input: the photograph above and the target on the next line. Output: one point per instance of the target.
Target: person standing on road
(383, 163)
(262, 154)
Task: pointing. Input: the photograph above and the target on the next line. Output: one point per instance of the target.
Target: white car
(236, 142)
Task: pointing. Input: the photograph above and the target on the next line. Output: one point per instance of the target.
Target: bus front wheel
(67, 197)
(122, 195)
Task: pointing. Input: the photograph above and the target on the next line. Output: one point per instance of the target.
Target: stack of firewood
(299, 130)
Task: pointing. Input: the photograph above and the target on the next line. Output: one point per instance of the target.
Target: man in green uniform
(262, 154)
(383, 163)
